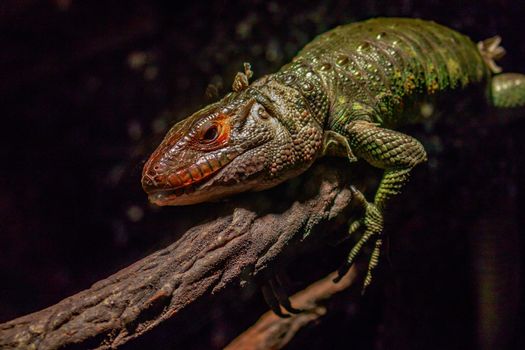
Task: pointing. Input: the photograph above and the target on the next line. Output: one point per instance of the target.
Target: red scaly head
(252, 139)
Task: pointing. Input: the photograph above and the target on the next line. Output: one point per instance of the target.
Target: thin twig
(273, 332)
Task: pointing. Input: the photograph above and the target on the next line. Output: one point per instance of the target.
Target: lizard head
(237, 144)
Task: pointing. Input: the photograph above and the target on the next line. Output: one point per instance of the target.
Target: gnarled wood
(248, 238)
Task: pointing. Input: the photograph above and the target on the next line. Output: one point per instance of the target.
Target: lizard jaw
(219, 184)
(179, 196)
(188, 191)
(194, 196)
(175, 188)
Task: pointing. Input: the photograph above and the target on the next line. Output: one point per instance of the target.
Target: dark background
(88, 88)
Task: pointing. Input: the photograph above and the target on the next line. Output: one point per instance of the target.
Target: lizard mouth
(188, 185)
(164, 197)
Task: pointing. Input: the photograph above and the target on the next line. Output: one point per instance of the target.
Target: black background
(88, 88)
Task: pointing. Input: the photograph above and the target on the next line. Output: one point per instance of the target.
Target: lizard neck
(301, 108)
(310, 88)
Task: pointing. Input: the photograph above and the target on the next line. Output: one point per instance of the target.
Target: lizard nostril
(156, 169)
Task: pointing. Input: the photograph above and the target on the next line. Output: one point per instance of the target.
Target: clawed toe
(372, 225)
(276, 296)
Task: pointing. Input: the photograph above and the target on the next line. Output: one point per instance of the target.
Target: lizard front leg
(393, 151)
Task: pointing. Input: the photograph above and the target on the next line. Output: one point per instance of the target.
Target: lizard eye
(212, 133)
(209, 133)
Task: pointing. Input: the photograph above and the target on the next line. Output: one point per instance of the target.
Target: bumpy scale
(341, 95)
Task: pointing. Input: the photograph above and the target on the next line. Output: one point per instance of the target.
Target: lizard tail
(506, 90)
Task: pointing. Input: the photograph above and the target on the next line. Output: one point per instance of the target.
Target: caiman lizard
(343, 94)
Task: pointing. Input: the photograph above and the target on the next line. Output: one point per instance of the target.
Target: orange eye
(213, 133)
(210, 133)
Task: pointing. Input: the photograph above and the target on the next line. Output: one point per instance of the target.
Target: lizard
(343, 94)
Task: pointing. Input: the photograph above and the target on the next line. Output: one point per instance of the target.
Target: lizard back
(373, 70)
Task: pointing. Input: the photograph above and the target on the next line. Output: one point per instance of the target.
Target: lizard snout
(153, 174)
(148, 184)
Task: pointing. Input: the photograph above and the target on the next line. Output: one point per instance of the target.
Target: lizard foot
(276, 296)
(372, 224)
(491, 51)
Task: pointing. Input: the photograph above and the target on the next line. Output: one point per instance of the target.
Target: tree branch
(273, 332)
(253, 233)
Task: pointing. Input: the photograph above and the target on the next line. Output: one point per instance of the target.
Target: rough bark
(244, 241)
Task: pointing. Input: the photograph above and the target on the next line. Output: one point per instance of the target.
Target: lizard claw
(276, 296)
(372, 223)
(272, 301)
